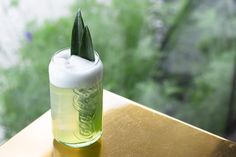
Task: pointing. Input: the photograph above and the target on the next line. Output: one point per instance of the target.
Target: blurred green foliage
(27, 94)
(120, 43)
(189, 77)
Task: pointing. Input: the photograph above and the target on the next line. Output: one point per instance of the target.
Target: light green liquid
(76, 114)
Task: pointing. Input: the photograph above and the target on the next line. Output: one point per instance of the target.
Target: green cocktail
(76, 100)
(76, 90)
(76, 114)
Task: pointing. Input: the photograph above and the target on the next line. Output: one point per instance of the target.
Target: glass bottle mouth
(67, 56)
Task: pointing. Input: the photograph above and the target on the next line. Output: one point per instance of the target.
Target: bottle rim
(97, 57)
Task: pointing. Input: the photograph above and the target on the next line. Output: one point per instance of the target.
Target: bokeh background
(175, 56)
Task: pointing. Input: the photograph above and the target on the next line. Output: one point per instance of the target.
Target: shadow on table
(61, 150)
(224, 149)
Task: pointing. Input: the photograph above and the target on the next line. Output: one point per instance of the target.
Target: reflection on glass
(61, 150)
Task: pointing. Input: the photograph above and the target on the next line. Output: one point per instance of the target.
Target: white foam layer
(68, 71)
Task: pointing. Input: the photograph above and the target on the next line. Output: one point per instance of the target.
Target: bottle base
(80, 145)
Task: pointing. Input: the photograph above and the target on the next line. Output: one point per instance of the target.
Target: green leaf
(81, 42)
(77, 33)
(86, 50)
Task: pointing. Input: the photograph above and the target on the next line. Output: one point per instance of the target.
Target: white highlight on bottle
(68, 71)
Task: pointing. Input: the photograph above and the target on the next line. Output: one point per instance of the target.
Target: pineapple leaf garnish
(81, 41)
(87, 45)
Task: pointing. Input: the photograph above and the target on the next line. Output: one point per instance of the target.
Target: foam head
(70, 71)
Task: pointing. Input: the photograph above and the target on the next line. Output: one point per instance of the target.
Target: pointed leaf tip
(77, 33)
(80, 18)
(87, 51)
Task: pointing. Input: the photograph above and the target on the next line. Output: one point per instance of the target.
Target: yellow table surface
(129, 130)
